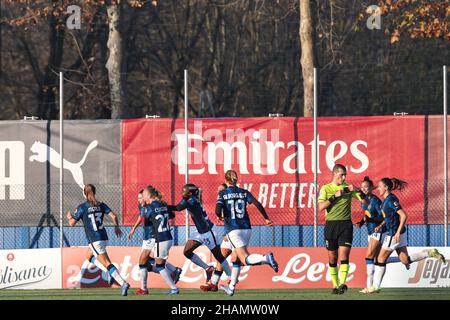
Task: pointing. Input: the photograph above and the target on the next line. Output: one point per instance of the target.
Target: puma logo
(45, 153)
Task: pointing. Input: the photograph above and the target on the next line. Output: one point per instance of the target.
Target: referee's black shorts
(338, 233)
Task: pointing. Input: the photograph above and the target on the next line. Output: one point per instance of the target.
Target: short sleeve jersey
(197, 213)
(389, 209)
(158, 216)
(92, 217)
(373, 211)
(341, 209)
(233, 201)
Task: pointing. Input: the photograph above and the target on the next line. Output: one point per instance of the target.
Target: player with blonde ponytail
(232, 206)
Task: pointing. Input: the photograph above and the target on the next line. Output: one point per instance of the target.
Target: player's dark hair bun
(367, 179)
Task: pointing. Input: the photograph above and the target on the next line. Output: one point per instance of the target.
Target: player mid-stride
(233, 203)
(146, 260)
(395, 222)
(91, 213)
(157, 214)
(204, 233)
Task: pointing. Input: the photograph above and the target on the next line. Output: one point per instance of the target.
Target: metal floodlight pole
(316, 156)
(187, 142)
(445, 159)
(61, 151)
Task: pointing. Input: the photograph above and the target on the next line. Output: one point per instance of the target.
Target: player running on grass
(157, 214)
(146, 260)
(226, 249)
(91, 213)
(395, 220)
(233, 203)
(204, 235)
(372, 219)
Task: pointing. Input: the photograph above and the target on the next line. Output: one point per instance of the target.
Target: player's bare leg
(188, 252)
(113, 272)
(92, 259)
(222, 261)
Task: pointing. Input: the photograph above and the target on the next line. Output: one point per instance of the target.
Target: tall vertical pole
(187, 142)
(445, 161)
(61, 151)
(316, 157)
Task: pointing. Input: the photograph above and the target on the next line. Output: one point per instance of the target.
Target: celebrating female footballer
(226, 249)
(395, 220)
(92, 212)
(146, 260)
(204, 235)
(372, 219)
(157, 214)
(233, 203)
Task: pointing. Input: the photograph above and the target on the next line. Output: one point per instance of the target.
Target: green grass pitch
(258, 294)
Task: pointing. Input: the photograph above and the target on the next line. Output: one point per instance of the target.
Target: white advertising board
(30, 269)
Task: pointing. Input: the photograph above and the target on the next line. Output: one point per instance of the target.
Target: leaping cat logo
(46, 153)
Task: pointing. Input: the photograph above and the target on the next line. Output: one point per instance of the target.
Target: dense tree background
(243, 57)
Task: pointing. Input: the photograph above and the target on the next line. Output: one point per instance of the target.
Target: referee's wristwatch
(332, 199)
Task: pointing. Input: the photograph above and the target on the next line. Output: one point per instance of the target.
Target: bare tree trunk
(307, 57)
(117, 85)
(49, 85)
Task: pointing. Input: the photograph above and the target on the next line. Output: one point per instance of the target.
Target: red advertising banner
(299, 267)
(274, 160)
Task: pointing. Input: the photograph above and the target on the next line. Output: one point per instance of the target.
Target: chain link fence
(36, 224)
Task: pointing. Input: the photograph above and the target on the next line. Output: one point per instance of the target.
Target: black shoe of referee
(342, 289)
(335, 291)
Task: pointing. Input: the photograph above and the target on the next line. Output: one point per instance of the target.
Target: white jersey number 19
(236, 208)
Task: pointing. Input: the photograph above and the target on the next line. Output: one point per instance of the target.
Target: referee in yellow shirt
(336, 199)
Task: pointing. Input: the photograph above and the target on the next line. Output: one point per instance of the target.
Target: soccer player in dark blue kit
(204, 235)
(395, 220)
(91, 213)
(232, 206)
(372, 219)
(157, 215)
(146, 261)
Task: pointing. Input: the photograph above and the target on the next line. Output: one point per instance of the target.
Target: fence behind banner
(121, 158)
